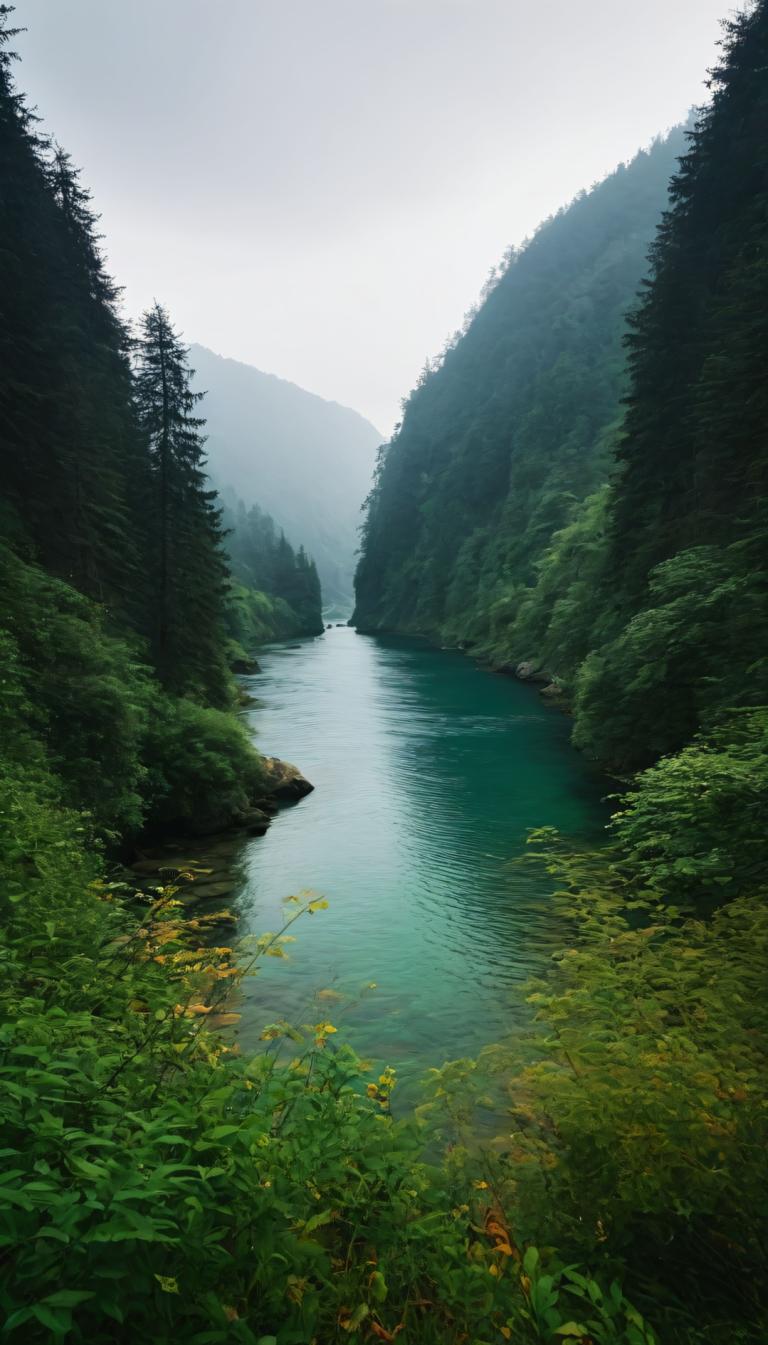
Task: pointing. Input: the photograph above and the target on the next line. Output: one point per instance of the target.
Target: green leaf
(68, 1298)
(58, 1322)
(378, 1287)
(530, 1260)
(17, 1318)
(317, 1221)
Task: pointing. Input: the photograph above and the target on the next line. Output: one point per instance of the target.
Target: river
(428, 773)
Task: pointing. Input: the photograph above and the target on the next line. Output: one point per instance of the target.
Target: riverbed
(428, 773)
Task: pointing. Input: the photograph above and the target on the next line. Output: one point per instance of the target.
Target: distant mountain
(306, 461)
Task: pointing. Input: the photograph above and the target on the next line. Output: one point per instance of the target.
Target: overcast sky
(320, 187)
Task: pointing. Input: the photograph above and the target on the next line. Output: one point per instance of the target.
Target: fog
(320, 189)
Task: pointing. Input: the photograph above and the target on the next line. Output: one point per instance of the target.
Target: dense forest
(579, 485)
(274, 590)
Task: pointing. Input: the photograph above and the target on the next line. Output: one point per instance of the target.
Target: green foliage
(695, 826)
(77, 697)
(159, 1187)
(265, 565)
(202, 769)
(83, 711)
(696, 648)
(637, 1111)
(553, 621)
(253, 618)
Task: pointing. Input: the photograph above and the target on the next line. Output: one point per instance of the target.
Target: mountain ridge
(304, 459)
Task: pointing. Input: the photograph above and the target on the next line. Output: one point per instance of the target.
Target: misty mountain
(308, 462)
(515, 425)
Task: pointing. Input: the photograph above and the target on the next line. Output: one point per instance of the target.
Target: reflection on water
(428, 774)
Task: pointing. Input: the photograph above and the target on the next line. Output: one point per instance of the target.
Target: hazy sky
(320, 187)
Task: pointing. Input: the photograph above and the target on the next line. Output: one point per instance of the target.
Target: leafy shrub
(648, 690)
(695, 825)
(79, 690)
(202, 767)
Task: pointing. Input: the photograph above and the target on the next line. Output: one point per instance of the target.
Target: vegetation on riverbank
(635, 1110)
(158, 1187)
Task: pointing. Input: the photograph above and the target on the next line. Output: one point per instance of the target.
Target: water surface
(428, 773)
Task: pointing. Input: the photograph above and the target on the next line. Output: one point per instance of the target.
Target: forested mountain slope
(306, 461)
(274, 591)
(515, 425)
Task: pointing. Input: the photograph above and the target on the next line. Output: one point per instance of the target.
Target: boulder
(244, 666)
(552, 691)
(531, 672)
(285, 783)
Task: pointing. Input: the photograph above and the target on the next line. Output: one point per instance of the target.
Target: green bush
(202, 769)
(695, 826)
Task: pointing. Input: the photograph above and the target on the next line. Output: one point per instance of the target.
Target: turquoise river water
(428, 773)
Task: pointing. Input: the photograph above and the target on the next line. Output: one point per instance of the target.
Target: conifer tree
(694, 449)
(187, 566)
(71, 449)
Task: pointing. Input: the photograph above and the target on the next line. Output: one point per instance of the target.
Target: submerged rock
(206, 891)
(284, 782)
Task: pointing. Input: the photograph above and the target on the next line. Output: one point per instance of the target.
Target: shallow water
(428, 773)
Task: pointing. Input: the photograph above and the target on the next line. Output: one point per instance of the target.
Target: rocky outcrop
(284, 782)
(531, 672)
(245, 666)
(553, 692)
(253, 820)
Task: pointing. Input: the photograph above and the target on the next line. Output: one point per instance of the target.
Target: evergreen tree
(694, 446)
(72, 454)
(187, 566)
(684, 602)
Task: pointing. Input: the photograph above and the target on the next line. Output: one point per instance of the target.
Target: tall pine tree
(71, 452)
(187, 567)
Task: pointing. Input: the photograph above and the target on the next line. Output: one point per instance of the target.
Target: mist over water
(428, 773)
